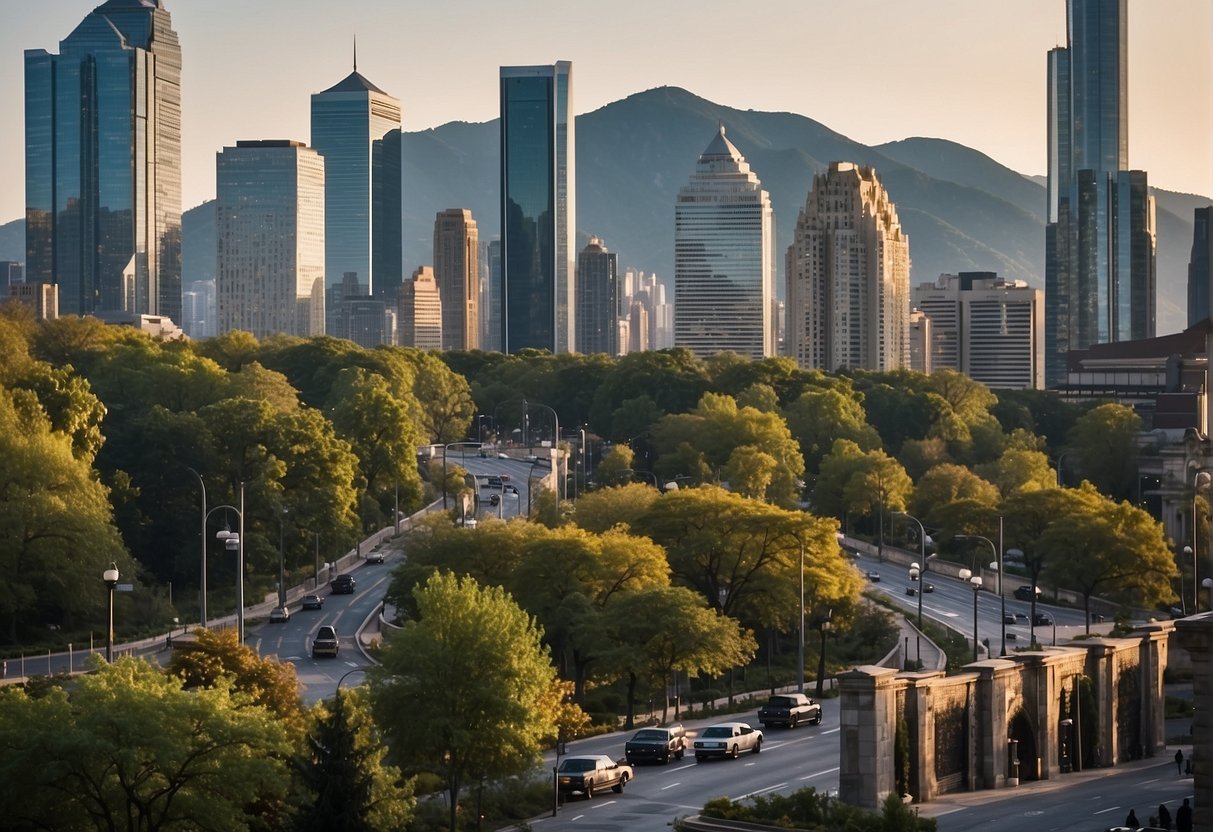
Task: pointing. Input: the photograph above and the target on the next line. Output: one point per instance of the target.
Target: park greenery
(707, 485)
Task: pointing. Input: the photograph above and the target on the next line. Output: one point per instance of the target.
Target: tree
(822, 416)
(615, 465)
(344, 768)
(1105, 441)
(1019, 469)
(750, 471)
(605, 508)
(946, 484)
(445, 399)
(128, 748)
(854, 482)
(467, 687)
(1028, 517)
(216, 659)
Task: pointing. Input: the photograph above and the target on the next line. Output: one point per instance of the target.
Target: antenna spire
(355, 53)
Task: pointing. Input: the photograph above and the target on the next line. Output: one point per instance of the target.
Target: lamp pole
(110, 578)
(634, 472)
(282, 558)
(234, 542)
(922, 570)
(997, 564)
(555, 439)
(202, 538)
(1196, 484)
(800, 652)
(1060, 460)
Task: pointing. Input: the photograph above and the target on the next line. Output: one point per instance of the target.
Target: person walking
(1131, 820)
(1183, 818)
(1164, 816)
(1179, 761)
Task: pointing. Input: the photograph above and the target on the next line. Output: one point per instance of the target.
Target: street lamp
(917, 571)
(800, 652)
(110, 578)
(282, 558)
(975, 581)
(649, 474)
(445, 449)
(555, 436)
(234, 542)
(1060, 461)
(202, 539)
(996, 565)
(1196, 484)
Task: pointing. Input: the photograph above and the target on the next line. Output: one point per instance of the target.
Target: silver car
(727, 739)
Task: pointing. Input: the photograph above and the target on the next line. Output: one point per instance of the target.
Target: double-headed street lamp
(996, 565)
(233, 542)
(917, 571)
(110, 578)
(975, 582)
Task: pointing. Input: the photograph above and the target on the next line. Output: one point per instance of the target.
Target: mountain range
(962, 210)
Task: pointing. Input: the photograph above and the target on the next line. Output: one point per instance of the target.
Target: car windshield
(577, 765)
(326, 632)
(718, 731)
(782, 701)
(650, 735)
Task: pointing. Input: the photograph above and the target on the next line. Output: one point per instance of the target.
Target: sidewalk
(915, 645)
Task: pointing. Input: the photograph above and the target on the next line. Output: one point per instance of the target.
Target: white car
(727, 739)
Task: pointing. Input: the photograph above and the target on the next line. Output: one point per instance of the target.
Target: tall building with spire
(457, 272)
(848, 273)
(724, 257)
(538, 207)
(103, 163)
(1100, 235)
(356, 128)
(597, 299)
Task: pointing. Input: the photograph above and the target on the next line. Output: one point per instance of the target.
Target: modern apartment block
(103, 163)
(270, 232)
(420, 312)
(356, 128)
(457, 271)
(492, 288)
(1200, 266)
(1100, 233)
(538, 208)
(724, 257)
(986, 327)
(597, 299)
(848, 273)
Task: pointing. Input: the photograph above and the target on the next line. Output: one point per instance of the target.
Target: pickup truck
(656, 744)
(789, 710)
(591, 772)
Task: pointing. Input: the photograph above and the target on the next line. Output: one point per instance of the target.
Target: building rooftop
(354, 82)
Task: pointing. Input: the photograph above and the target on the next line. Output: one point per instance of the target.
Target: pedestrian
(1131, 820)
(1183, 818)
(1179, 761)
(1164, 816)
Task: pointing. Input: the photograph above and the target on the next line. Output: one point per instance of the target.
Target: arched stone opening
(1023, 747)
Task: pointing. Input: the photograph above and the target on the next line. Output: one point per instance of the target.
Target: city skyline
(994, 105)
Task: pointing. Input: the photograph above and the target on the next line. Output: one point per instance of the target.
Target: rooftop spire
(355, 53)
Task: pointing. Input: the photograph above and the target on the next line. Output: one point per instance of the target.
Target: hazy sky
(876, 70)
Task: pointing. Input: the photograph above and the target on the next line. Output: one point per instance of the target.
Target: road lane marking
(1110, 809)
(819, 773)
(604, 803)
(759, 791)
(672, 785)
(832, 731)
(1144, 782)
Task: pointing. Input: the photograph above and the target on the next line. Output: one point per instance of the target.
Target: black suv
(325, 643)
(659, 745)
(343, 585)
(1024, 592)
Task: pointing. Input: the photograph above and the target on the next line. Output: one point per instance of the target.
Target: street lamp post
(555, 438)
(800, 652)
(1196, 484)
(916, 571)
(282, 558)
(650, 474)
(996, 565)
(445, 449)
(1060, 461)
(975, 582)
(110, 578)
(234, 542)
(202, 539)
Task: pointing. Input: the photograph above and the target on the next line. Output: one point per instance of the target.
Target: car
(659, 745)
(911, 590)
(874, 577)
(1015, 618)
(588, 773)
(1042, 619)
(375, 557)
(1024, 592)
(928, 587)
(313, 602)
(727, 739)
(325, 642)
(280, 615)
(343, 585)
(510, 489)
(789, 710)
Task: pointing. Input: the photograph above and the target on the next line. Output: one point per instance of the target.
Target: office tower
(1200, 267)
(984, 326)
(724, 261)
(11, 272)
(270, 231)
(41, 298)
(1099, 237)
(538, 207)
(920, 342)
(457, 271)
(638, 327)
(198, 309)
(597, 299)
(848, 273)
(356, 128)
(356, 316)
(492, 289)
(103, 163)
(420, 311)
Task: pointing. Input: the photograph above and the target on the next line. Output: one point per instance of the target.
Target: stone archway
(1023, 746)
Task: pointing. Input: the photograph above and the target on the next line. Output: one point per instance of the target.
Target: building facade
(724, 257)
(986, 327)
(597, 299)
(848, 273)
(1100, 234)
(420, 311)
(538, 208)
(103, 163)
(457, 270)
(270, 230)
(1200, 266)
(356, 128)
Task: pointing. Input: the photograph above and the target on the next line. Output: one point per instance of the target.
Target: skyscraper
(420, 305)
(356, 128)
(597, 299)
(1099, 238)
(538, 210)
(270, 230)
(724, 257)
(457, 272)
(1200, 266)
(103, 163)
(848, 273)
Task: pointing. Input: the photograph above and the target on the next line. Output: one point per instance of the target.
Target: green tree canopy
(821, 416)
(605, 508)
(1105, 441)
(1019, 469)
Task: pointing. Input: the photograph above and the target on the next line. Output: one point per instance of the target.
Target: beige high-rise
(419, 312)
(848, 272)
(457, 271)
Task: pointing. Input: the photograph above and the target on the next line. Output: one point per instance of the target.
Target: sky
(972, 71)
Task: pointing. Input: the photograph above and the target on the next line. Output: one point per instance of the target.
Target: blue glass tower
(537, 207)
(103, 163)
(1100, 240)
(356, 128)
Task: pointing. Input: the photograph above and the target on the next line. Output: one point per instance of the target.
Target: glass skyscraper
(1100, 237)
(538, 212)
(356, 128)
(103, 163)
(724, 258)
(597, 299)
